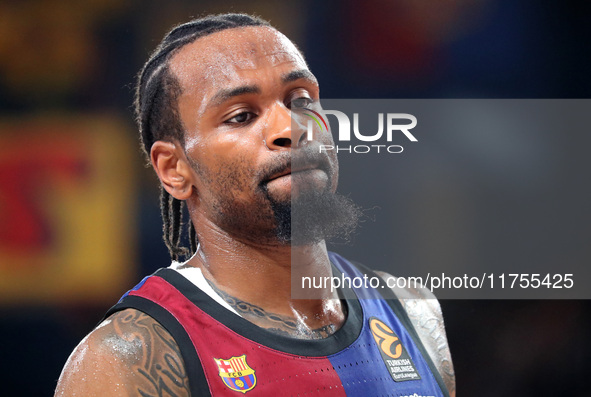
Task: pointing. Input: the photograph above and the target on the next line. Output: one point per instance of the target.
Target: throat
(320, 325)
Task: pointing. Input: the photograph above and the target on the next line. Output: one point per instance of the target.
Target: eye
(241, 118)
(300, 103)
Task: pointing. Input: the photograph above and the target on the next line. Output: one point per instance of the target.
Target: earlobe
(171, 166)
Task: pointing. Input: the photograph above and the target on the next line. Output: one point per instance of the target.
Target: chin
(314, 216)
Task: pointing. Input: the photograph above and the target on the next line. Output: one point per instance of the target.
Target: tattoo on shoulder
(429, 325)
(158, 365)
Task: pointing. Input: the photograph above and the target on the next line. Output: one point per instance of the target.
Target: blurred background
(79, 217)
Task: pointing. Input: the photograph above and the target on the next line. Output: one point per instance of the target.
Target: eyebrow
(297, 75)
(227, 94)
(224, 95)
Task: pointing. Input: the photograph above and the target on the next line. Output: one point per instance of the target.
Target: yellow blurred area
(50, 45)
(67, 219)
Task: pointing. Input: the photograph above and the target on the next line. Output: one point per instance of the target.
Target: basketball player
(214, 106)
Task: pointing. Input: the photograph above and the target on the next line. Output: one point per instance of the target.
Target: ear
(172, 167)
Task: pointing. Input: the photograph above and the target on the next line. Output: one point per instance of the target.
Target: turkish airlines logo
(397, 360)
(386, 339)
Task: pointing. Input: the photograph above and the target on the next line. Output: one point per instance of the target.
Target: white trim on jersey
(195, 276)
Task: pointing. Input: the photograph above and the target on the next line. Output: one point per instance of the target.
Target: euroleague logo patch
(395, 356)
(236, 374)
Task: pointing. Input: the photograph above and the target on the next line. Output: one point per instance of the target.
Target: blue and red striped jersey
(376, 352)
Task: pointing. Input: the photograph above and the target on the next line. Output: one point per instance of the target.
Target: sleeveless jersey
(376, 352)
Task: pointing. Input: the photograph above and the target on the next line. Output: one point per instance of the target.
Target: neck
(261, 275)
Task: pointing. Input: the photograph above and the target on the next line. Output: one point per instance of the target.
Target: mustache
(301, 157)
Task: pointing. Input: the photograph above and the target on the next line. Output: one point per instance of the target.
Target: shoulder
(130, 353)
(424, 312)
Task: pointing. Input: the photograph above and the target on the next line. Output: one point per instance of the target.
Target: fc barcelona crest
(236, 374)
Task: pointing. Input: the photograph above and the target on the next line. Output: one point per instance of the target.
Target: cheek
(226, 172)
(215, 149)
(225, 160)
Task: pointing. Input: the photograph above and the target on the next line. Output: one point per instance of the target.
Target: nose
(282, 132)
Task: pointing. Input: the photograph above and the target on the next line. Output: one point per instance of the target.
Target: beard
(308, 218)
(315, 216)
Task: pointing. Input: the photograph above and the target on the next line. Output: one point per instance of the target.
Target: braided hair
(157, 115)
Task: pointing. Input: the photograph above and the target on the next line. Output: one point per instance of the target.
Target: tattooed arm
(129, 354)
(424, 312)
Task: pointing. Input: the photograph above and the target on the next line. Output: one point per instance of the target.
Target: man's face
(238, 89)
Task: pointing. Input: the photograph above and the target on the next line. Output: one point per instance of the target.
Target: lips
(304, 160)
(289, 170)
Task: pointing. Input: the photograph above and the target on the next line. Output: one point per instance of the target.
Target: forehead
(231, 55)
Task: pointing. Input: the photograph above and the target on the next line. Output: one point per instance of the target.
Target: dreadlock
(157, 115)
